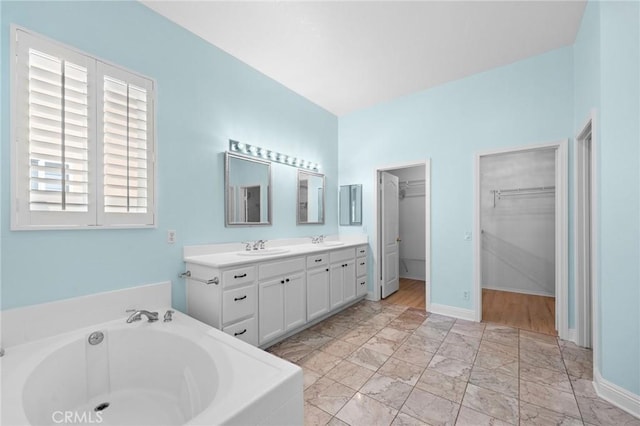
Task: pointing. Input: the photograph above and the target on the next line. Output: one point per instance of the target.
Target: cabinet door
(295, 301)
(317, 292)
(271, 309)
(349, 280)
(337, 280)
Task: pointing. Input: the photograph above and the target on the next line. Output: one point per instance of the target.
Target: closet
(517, 222)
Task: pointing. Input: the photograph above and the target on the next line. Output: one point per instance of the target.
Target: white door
(390, 234)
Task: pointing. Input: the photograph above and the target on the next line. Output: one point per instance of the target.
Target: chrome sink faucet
(137, 316)
(259, 245)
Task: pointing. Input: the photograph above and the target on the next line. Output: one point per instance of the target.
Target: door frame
(377, 237)
(561, 231)
(585, 301)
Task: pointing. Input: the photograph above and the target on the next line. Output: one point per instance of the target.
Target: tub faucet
(137, 316)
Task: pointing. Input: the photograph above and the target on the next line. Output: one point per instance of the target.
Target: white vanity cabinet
(343, 277)
(225, 298)
(317, 286)
(361, 271)
(282, 297)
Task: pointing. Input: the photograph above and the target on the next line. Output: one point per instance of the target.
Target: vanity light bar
(256, 151)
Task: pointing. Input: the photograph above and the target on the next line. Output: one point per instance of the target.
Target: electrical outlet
(465, 295)
(171, 236)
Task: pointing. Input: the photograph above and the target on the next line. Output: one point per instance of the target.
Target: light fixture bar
(256, 151)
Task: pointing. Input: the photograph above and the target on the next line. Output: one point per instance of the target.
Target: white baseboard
(572, 336)
(519, 290)
(616, 395)
(452, 311)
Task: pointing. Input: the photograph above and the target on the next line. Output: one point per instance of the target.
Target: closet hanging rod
(535, 188)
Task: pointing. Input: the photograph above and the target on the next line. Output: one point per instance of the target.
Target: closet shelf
(516, 192)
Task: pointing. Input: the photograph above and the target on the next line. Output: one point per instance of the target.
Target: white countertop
(235, 258)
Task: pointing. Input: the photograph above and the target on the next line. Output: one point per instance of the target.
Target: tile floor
(378, 364)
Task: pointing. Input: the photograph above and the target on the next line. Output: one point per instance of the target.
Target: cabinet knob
(362, 263)
(287, 280)
(327, 269)
(281, 281)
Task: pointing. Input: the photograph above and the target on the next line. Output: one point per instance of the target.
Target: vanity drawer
(238, 303)
(340, 255)
(361, 286)
(362, 251)
(246, 330)
(284, 267)
(361, 266)
(317, 260)
(234, 277)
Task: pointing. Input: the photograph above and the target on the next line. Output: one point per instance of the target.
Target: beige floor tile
(556, 379)
(544, 396)
(500, 363)
(423, 343)
(442, 385)
(386, 390)
(339, 348)
(291, 351)
(320, 362)
(382, 345)
(393, 334)
(540, 346)
(495, 381)
(532, 415)
(309, 377)
(510, 351)
(430, 408)
(469, 417)
(545, 361)
(362, 410)
(462, 340)
(359, 335)
(491, 403)
(368, 358)
(403, 419)
(601, 412)
(451, 367)
(401, 370)
(583, 387)
(314, 416)
(525, 334)
(464, 353)
(350, 374)
(413, 355)
(328, 395)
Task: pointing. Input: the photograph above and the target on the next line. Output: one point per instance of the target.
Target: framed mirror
(247, 191)
(350, 205)
(310, 198)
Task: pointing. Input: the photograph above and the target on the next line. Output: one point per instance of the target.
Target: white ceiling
(346, 55)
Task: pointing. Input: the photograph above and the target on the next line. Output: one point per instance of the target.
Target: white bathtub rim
(21, 360)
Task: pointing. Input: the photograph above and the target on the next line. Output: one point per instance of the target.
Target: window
(83, 140)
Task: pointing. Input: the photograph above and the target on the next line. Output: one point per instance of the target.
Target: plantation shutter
(53, 134)
(127, 145)
(58, 134)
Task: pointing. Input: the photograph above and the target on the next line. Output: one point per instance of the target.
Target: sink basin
(332, 243)
(264, 252)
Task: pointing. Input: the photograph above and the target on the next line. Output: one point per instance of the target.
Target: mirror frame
(324, 197)
(227, 222)
(358, 200)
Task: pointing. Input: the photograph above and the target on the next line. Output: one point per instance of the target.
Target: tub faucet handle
(168, 315)
(137, 316)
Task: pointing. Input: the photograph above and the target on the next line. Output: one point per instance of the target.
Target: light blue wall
(620, 193)
(528, 102)
(205, 97)
(607, 79)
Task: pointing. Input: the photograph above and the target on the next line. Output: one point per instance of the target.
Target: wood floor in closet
(411, 293)
(524, 311)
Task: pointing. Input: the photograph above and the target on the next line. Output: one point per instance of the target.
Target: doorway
(584, 235)
(521, 248)
(403, 234)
